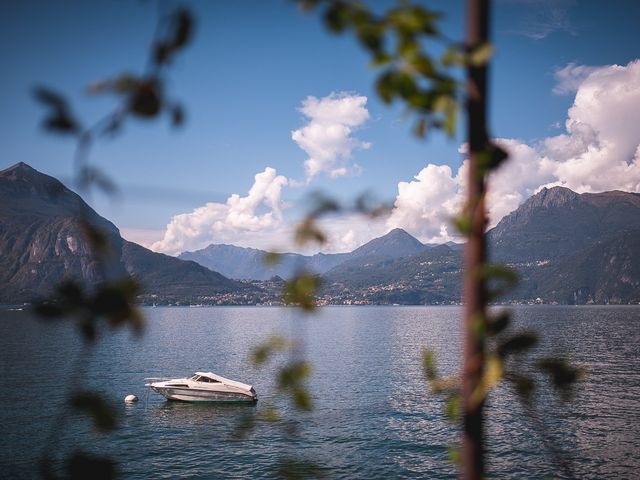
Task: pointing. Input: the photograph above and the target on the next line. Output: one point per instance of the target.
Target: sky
(278, 109)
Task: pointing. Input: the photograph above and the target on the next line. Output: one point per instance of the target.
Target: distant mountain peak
(552, 197)
(398, 232)
(397, 243)
(21, 171)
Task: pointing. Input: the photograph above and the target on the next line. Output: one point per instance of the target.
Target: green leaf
(94, 405)
(96, 237)
(453, 408)
(563, 375)
(453, 55)
(300, 291)
(420, 130)
(523, 384)
(371, 36)
(263, 352)
(89, 176)
(272, 258)
(177, 115)
(50, 98)
(385, 86)
(337, 16)
(481, 54)
(462, 222)
(307, 231)
(146, 100)
(429, 364)
(499, 323)
(517, 344)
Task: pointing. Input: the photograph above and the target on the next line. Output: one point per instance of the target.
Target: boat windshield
(207, 379)
(200, 378)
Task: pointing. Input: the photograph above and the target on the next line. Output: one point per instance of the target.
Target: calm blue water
(373, 415)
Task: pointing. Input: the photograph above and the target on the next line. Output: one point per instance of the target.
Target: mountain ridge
(43, 242)
(250, 263)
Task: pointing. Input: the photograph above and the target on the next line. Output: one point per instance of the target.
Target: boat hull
(195, 395)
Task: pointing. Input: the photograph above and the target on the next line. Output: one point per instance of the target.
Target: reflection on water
(373, 416)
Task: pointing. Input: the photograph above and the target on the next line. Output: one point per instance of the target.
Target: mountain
(573, 248)
(567, 248)
(429, 277)
(250, 263)
(558, 222)
(43, 241)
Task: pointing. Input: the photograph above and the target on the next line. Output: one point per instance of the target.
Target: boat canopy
(226, 381)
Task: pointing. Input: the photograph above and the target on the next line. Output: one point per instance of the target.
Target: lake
(373, 415)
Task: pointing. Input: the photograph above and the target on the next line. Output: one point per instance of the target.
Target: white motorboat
(203, 387)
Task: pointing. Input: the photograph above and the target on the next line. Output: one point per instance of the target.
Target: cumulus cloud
(425, 205)
(570, 77)
(599, 151)
(257, 212)
(328, 135)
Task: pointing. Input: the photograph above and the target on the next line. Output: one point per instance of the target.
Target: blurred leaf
(300, 291)
(50, 98)
(517, 344)
(96, 237)
(453, 55)
(481, 54)
(48, 310)
(498, 323)
(82, 466)
(59, 119)
(385, 86)
(265, 350)
(500, 279)
(177, 115)
(429, 364)
(420, 129)
(180, 33)
(125, 83)
(115, 301)
(453, 408)
(298, 469)
(291, 379)
(563, 375)
(272, 258)
(146, 101)
(61, 122)
(94, 405)
(89, 176)
(70, 293)
(271, 414)
(523, 384)
(462, 222)
(302, 399)
(244, 427)
(453, 452)
(307, 231)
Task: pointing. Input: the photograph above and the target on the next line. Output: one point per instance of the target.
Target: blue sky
(243, 81)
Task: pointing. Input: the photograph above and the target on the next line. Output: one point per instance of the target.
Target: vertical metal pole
(472, 455)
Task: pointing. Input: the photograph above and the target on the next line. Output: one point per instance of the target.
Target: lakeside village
(269, 293)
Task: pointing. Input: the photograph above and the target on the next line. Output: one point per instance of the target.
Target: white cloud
(600, 151)
(328, 136)
(256, 213)
(424, 207)
(570, 77)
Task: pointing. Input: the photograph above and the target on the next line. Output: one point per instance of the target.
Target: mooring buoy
(130, 399)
